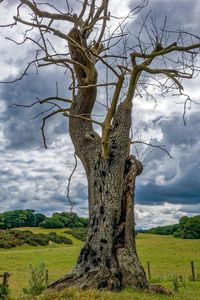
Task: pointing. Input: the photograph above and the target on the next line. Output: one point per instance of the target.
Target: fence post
(149, 270)
(193, 272)
(46, 278)
(5, 279)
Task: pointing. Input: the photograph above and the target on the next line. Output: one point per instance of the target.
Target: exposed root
(102, 280)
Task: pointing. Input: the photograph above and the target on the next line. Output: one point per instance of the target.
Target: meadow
(169, 258)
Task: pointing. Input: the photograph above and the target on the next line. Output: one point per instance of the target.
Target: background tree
(153, 61)
(187, 228)
(20, 218)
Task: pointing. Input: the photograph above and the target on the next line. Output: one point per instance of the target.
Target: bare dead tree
(151, 58)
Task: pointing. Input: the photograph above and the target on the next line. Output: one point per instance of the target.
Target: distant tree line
(20, 218)
(29, 218)
(187, 228)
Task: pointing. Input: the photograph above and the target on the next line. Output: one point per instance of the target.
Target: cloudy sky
(37, 179)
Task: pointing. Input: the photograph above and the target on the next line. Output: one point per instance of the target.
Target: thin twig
(161, 147)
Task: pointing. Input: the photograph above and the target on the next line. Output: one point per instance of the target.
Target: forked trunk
(109, 259)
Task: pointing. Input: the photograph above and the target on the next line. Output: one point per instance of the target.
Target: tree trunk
(108, 259)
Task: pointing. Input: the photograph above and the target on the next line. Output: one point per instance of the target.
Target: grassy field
(168, 256)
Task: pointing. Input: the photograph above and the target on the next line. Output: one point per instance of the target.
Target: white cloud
(157, 215)
(161, 215)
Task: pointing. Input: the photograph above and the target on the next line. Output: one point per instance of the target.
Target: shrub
(55, 238)
(4, 292)
(79, 233)
(177, 283)
(31, 242)
(37, 280)
(13, 238)
(40, 239)
(65, 240)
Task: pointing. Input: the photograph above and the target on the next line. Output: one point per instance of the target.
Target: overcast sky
(30, 179)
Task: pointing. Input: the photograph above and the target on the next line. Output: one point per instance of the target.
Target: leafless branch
(48, 15)
(23, 74)
(85, 3)
(93, 85)
(167, 50)
(44, 122)
(69, 183)
(160, 147)
(106, 17)
(187, 103)
(83, 117)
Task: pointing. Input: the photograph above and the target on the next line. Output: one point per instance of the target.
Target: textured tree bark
(108, 259)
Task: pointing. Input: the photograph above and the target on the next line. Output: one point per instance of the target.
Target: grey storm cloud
(21, 129)
(175, 133)
(179, 13)
(178, 179)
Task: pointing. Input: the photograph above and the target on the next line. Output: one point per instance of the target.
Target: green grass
(58, 259)
(168, 257)
(189, 293)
